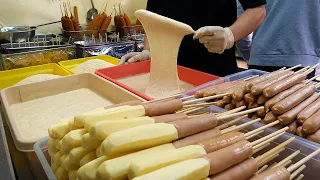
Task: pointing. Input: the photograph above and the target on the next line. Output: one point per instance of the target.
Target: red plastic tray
(187, 75)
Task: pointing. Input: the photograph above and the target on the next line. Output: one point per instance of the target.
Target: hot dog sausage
(253, 105)
(261, 100)
(284, 84)
(130, 103)
(226, 99)
(105, 24)
(241, 103)
(98, 22)
(293, 127)
(312, 124)
(169, 117)
(257, 89)
(261, 112)
(250, 98)
(308, 111)
(271, 102)
(190, 126)
(239, 93)
(278, 173)
(220, 142)
(270, 117)
(301, 133)
(262, 78)
(194, 139)
(234, 102)
(75, 24)
(293, 100)
(220, 103)
(254, 116)
(232, 87)
(291, 115)
(69, 24)
(200, 93)
(163, 107)
(315, 137)
(229, 107)
(224, 158)
(241, 171)
(127, 19)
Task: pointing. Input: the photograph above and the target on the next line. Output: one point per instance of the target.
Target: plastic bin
(185, 74)
(11, 77)
(70, 64)
(306, 148)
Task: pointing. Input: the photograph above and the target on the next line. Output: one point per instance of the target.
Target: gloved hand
(135, 57)
(215, 38)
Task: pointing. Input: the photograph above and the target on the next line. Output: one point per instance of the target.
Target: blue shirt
(290, 34)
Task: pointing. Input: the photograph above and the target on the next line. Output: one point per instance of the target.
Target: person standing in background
(244, 44)
(290, 35)
(217, 29)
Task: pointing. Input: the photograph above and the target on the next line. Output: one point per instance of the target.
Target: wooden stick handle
(270, 158)
(165, 98)
(240, 113)
(200, 105)
(292, 68)
(254, 135)
(237, 128)
(225, 125)
(287, 163)
(257, 143)
(272, 151)
(187, 97)
(233, 111)
(298, 171)
(260, 148)
(300, 177)
(269, 136)
(302, 70)
(315, 66)
(251, 77)
(315, 77)
(281, 163)
(205, 98)
(262, 169)
(261, 128)
(303, 161)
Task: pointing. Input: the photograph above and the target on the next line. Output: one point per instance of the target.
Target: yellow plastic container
(70, 64)
(11, 77)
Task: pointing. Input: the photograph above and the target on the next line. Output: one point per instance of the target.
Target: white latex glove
(215, 38)
(135, 57)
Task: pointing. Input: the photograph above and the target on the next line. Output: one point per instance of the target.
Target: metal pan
(18, 34)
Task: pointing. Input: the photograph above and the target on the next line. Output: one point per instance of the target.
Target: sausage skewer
(298, 171)
(308, 111)
(281, 172)
(285, 160)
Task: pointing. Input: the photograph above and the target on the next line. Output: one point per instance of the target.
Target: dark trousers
(274, 68)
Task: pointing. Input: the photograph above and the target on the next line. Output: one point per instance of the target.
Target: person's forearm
(146, 43)
(248, 22)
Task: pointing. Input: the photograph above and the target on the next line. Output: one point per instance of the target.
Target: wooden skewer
(303, 161)
(309, 71)
(302, 70)
(106, 37)
(262, 169)
(194, 110)
(205, 98)
(232, 111)
(287, 163)
(256, 146)
(247, 79)
(254, 135)
(260, 148)
(315, 66)
(165, 98)
(225, 125)
(224, 131)
(298, 171)
(93, 39)
(267, 160)
(269, 136)
(197, 114)
(186, 109)
(100, 38)
(237, 128)
(187, 97)
(280, 146)
(317, 85)
(200, 104)
(239, 113)
(315, 77)
(292, 68)
(261, 128)
(300, 177)
(272, 165)
(281, 163)
(11, 42)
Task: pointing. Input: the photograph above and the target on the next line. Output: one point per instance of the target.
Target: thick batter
(36, 116)
(164, 36)
(140, 82)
